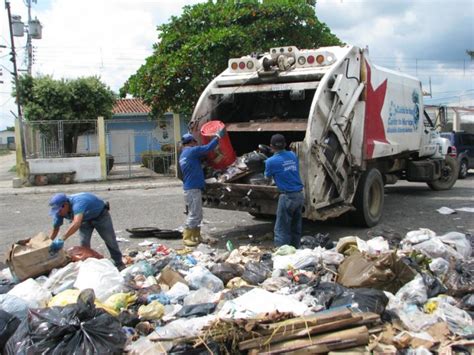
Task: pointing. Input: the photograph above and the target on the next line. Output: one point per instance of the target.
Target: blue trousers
(103, 225)
(288, 225)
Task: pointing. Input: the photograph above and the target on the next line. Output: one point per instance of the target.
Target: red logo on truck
(374, 129)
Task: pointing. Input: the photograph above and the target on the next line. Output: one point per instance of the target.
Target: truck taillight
(453, 152)
(308, 58)
(244, 64)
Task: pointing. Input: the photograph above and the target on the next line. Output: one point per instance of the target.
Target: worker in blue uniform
(86, 212)
(194, 183)
(283, 167)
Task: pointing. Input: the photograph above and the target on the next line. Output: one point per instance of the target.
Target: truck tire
(463, 169)
(449, 175)
(369, 199)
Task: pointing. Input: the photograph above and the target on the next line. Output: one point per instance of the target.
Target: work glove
(220, 133)
(56, 245)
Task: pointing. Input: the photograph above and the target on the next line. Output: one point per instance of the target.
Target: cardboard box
(31, 257)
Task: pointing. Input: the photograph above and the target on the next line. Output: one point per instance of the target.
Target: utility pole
(22, 166)
(13, 59)
(29, 46)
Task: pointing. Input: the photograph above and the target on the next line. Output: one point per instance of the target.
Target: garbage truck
(354, 126)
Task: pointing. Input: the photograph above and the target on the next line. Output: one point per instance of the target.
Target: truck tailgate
(243, 197)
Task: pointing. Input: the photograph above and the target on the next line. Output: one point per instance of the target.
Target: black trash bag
(160, 265)
(318, 240)
(256, 272)
(189, 349)
(460, 278)
(326, 292)
(366, 299)
(255, 161)
(434, 287)
(8, 325)
(128, 319)
(266, 259)
(226, 271)
(467, 302)
(75, 329)
(198, 310)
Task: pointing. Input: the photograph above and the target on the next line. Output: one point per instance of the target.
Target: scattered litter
(466, 209)
(247, 299)
(123, 240)
(446, 210)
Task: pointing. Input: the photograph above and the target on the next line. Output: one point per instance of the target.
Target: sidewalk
(148, 183)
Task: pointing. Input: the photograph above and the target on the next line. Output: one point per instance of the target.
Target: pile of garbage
(414, 295)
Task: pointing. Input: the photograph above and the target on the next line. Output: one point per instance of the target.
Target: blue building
(132, 131)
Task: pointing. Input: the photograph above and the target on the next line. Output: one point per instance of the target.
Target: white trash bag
(100, 275)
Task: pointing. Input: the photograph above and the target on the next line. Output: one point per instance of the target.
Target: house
(7, 139)
(132, 131)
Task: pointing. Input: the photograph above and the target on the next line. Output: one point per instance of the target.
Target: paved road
(408, 206)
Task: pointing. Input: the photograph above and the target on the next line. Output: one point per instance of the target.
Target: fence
(141, 147)
(135, 147)
(61, 139)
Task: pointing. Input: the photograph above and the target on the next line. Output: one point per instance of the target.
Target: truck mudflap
(258, 199)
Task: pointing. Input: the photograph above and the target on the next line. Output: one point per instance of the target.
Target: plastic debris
(153, 311)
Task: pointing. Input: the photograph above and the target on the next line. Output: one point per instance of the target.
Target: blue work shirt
(283, 168)
(190, 164)
(85, 203)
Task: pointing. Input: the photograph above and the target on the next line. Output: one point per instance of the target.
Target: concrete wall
(86, 168)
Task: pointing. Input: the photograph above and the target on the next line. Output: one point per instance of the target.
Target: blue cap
(56, 202)
(187, 138)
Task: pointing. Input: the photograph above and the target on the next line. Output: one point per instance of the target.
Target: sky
(112, 38)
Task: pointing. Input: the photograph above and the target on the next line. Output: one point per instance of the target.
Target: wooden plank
(283, 334)
(320, 318)
(320, 343)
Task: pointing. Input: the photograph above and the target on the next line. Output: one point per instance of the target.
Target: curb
(87, 187)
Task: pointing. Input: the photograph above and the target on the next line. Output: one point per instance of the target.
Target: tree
(46, 99)
(193, 48)
(10, 128)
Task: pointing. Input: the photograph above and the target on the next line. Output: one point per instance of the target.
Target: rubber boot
(197, 235)
(188, 239)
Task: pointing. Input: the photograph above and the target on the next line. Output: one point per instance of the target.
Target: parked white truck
(354, 126)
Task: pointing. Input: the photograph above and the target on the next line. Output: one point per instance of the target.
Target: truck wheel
(463, 169)
(449, 175)
(368, 199)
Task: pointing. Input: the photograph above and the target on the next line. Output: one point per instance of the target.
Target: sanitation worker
(284, 169)
(86, 212)
(193, 183)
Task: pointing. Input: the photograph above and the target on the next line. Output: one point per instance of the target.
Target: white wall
(86, 168)
(4, 136)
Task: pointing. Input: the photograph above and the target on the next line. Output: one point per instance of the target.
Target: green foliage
(46, 99)
(195, 47)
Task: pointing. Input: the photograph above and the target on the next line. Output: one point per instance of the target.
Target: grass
(13, 169)
(4, 151)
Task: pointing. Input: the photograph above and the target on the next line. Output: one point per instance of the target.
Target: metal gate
(136, 153)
